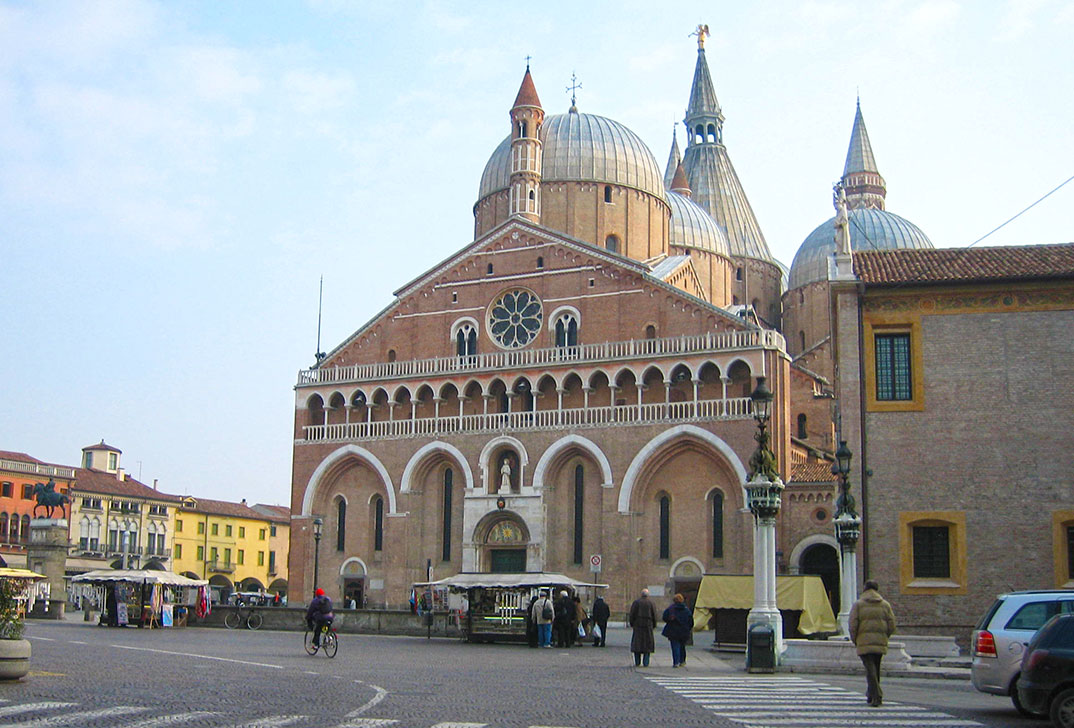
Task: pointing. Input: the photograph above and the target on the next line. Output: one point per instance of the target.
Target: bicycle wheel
(307, 642)
(255, 620)
(330, 643)
(232, 619)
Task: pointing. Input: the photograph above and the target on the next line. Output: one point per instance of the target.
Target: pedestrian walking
(601, 613)
(871, 623)
(543, 613)
(678, 625)
(642, 619)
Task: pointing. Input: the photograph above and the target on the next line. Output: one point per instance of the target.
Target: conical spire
(679, 185)
(674, 158)
(865, 188)
(527, 92)
(860, 154)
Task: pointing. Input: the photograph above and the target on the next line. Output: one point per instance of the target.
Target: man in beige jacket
(871, 623)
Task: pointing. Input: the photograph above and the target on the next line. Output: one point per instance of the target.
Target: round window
(515, 318)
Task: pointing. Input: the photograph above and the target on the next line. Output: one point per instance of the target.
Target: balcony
(114, 550)
(557, 356)
(220, 567)
(703, 410)
(162, 554)
(53, 471)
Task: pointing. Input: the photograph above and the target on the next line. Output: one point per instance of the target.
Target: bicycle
(252, 618)
(329, 641)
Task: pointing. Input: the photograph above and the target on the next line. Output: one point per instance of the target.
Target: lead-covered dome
(870, 229)
(582, 148)
(692, 227)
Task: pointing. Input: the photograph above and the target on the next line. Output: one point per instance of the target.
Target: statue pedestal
(47, 554)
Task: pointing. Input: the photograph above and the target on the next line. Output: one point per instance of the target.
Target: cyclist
(319, 614)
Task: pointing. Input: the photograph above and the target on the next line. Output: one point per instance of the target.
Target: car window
(1066, 606)
(1033, 615)
(987, 618)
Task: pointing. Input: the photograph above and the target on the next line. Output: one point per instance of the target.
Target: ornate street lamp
(764, 490)
(847, 532)
(318, 527)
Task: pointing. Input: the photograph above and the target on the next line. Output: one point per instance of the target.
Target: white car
(1001, 637)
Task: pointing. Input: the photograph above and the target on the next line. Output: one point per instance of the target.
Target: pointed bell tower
(526, 119)
(674, 160)
(864, 186)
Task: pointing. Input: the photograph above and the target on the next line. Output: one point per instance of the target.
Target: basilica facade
(572, 384)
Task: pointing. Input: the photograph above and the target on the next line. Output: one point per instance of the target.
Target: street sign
(594, 563)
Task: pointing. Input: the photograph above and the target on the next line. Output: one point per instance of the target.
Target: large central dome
(582, 148)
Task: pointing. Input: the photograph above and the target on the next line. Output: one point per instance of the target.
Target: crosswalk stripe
(800, 703)
(368, 722)
(460, 725)
(29, 707)
(77, 718)
(273, 721)
(166, 720)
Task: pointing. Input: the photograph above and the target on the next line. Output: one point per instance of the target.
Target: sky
(175, 178)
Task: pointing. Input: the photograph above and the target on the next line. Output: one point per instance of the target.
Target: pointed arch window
(717, 524)
(611, 243)
(803, 432)
(466, 340)
(607, 193)
(13, 533)
(445, 553)
(341, 524)
(665, 527)
(567, 330)
(378, 523)
(24, 536)
(579, 510)
(3, 526)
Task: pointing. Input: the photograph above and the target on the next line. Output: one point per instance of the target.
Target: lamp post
(764, 489)
(318, 526)
(847, 531)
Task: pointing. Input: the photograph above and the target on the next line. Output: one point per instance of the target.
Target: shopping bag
(581, 630)
(596, 631)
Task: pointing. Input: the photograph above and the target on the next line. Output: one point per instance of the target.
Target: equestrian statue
(49, 499)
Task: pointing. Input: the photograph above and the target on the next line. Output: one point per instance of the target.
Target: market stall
(491, 607)
(145, 597)
(26, 586)
(724, 601)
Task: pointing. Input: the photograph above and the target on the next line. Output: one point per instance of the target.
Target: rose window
(515, 319)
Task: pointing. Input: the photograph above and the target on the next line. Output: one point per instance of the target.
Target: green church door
(507, 561)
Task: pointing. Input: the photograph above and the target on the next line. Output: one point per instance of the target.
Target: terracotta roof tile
(279, 514)
(100, 482)
(812, 471)
(964, 265)
(19, 456)
(224, 508)
(527, 92)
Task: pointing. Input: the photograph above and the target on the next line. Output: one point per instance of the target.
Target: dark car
(1046, 684)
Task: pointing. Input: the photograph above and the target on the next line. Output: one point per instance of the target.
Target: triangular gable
(514, 229)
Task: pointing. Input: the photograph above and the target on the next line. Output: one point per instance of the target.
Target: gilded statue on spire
(702, 32)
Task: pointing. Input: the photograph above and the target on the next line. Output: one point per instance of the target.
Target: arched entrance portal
(822, 560)
(505, 546)
(354, 578)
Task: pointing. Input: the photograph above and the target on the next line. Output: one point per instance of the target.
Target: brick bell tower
(526, 119)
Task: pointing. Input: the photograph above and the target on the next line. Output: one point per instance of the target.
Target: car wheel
(1062, 711)
(1023, 709)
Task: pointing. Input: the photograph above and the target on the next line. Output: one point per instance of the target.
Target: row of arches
(568, 390)
(14, 529)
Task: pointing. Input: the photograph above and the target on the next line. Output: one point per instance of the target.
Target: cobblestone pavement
(83, 675)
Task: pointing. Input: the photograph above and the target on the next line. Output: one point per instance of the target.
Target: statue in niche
(505, 475)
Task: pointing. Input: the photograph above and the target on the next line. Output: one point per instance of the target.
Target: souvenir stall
(494, 607)
(145, 597)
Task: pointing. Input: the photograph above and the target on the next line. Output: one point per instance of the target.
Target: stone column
(764, 501)
(847, 532)
(47, 554)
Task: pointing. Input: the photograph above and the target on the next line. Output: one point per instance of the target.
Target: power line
(1061, 184)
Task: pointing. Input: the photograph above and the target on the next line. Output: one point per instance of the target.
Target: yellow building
(232, 545)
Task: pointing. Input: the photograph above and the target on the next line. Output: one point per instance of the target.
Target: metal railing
(705, 410)
(579, 354)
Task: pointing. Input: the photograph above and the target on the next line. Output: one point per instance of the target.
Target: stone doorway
(823, 561)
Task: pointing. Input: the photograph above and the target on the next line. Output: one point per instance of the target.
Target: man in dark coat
(642, 619)
(600, 615)
(562, 623)
(871, 622)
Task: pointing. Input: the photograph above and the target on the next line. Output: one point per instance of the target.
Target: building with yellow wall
(233, 546)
